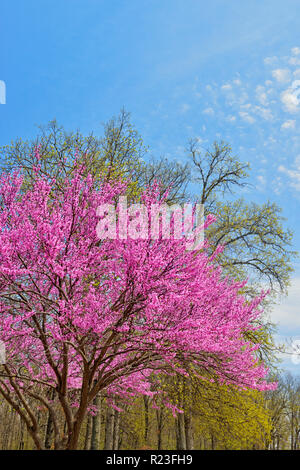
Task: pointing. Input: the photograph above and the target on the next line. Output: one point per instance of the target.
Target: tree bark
(188, 431)
(88, 433)
(146, 404)
(109, 429)
(180, 432)
(116, 430)
(49, 430)
(96, 424)
(159, 417)
(49, 427)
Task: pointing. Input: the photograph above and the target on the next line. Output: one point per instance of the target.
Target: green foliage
(117, 154)
(256, 246)
(233, 418)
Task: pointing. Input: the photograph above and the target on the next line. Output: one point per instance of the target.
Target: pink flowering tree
(79, 315)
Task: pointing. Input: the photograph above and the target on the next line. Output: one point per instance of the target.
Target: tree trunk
(96, 424)
(116, 430)
(12, 435)
(180, 432)
(159, 417)
(22, 429)
(146, 404)
(188, 431)
(109, 429)
(49, 431)
(5, 435)
(88, 433)
(49, 427)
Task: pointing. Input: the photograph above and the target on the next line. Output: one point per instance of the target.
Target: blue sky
(224, 69)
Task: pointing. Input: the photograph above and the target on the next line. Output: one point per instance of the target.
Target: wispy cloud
(226, 87)
(247, 117)
(184, 108)
(282, 75)
(295, 50)
(261, 95)
(289, 98)
(261, 182)
(290, 124)
(264, 112)
(271, 60)
(209, 111)
(293, 173)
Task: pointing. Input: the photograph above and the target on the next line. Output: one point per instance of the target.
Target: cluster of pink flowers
(117, 310)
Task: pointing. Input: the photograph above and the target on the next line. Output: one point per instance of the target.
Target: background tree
(115, 155)
(255, 244)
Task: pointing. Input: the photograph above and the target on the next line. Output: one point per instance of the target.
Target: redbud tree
(79, 315)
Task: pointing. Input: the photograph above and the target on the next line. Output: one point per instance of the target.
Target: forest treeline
(255, 245)
(213, 419)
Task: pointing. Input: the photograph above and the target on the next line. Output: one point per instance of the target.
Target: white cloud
(230, 118)
(290, 99)
(246, 117)
(294, 61)
(271, 141)
(277, 185)
(262, 182)
(246, 106)
(270, 60)
(261, 95)
(184, 107)
(209, 111)
(237, 82)
(294, 173)
(265, 113)
(226, 87)
(296, 50)
(282, 75)
(243, 97)
(290, 124)
(260, 111)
